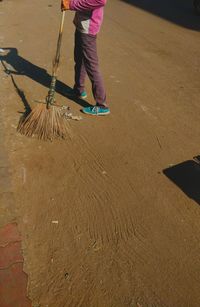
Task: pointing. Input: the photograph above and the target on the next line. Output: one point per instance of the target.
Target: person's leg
(79, 68)
(90, 58)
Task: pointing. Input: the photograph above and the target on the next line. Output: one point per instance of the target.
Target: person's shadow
(14, 64)
(186, 176)
(180, 12)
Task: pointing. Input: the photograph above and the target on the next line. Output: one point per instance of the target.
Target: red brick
(10, 254)
(13, 280)
(9, 233)
(13, 283)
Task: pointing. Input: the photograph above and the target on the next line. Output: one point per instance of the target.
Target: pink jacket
(89, 15)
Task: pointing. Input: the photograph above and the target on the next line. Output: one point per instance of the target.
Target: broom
(46, 120)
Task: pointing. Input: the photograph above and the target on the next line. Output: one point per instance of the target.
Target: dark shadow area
(14, 64)
(180, 12)
(22, 96)
(186, 176)
(19, 91)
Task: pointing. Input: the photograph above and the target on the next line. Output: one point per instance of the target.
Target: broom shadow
(21, 66)
(23, 98)
(20, 93)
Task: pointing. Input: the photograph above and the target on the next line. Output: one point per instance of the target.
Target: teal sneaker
(83, 95)
(74, 93)
(96, 110)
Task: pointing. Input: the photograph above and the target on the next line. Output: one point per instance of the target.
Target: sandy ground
(102, 225)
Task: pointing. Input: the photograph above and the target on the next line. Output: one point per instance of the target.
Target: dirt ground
(102, 224)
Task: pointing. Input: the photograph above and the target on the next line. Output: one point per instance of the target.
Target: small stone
(54, 222)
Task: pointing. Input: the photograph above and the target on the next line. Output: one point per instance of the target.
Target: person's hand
(65, 5)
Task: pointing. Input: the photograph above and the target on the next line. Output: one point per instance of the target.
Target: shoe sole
(82, 97)
(97, 114)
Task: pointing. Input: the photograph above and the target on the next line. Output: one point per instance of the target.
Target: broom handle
(57, 57)
(50, 97)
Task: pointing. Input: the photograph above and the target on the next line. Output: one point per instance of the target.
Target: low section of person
(88, 20)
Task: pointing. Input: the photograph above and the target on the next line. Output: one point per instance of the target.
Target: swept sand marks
(105, 210)
(94, 219)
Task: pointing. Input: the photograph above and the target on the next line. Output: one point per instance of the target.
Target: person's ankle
(102, 105)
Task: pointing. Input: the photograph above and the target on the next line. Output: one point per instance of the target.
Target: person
(88, 19)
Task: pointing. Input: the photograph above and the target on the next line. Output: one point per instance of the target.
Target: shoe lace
(95, 109)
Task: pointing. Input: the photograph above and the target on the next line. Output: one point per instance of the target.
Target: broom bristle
(44, 123)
